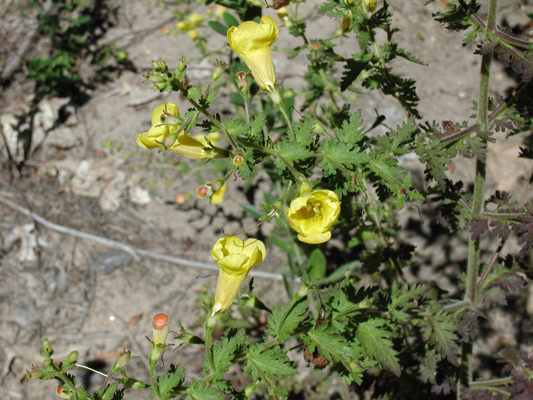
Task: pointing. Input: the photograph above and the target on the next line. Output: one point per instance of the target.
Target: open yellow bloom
(252, 42)
(185, 144)
(235, 259)
(312, 215)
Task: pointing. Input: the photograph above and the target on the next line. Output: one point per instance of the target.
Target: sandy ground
(88, 175)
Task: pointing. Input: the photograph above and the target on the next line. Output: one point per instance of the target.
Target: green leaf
(193, 92)
(282, 243)
(170, 383)
(211, 97)
(283, 323)
(218, 27)
(317, 264)
(265, 364)
(230, 20)
(257, 124)
(226, 351)
(236, 127)
(335, 348)
(291, 152)
(439, 330)
(250, 208)
(336, 153)
(403, 298)
(376, 342)
(352, 131)
(203, 391)
(109, 392)
(327, 6)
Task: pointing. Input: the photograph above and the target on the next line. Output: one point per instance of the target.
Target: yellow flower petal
(191, 148)
(235, 259)
(313, 214)
(252, 41)
(218, 196)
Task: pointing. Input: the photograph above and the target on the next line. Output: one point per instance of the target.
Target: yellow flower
(370, 5)
(183, 26)
(218, 196)
(252, 42)
(235, 259)
(312, 214)
(193, 34)
(213, 138)
(185, 144)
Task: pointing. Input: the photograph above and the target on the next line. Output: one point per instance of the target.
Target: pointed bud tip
(160, 321)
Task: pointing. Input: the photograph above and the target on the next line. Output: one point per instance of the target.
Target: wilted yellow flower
(252, 42)
(218, 196)
(235, 259)
(213, 138)
(312, 214)
(185, 144)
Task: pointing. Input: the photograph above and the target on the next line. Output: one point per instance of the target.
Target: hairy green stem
(472, 268)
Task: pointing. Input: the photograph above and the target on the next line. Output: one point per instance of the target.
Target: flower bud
(61, 392)
(238, 160)
(242, 82)
(161, 86)
(160, 67)
(218, 71)
(47, 350)
(316, 45)
(73, 357)
(121, 362)
(35, 374)
(204, 191)
(160, 328)
(181, 65)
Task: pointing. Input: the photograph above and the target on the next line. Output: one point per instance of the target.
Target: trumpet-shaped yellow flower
(252, 42)
(235, 259)
(185, 144)
(218, 196)
(312, 214)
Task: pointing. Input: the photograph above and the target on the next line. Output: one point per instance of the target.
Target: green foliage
(355, 316)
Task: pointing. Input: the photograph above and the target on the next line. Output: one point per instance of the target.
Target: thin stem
(209, 326)
(491, 265)
(466, 372)
(154, 381)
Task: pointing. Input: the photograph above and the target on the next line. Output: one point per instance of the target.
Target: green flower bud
(73, 357)
(160, 66)
(47, 350)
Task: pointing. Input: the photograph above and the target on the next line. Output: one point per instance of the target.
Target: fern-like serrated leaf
(525, 230)
(282, 324)
(439, 330)
(266, 364)
(336, 153)
(376, 342)
(226, 350)
(403, 298)
(352, 131)
(236, 127)
(203, 391)
(170, 383)
(257, 124)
